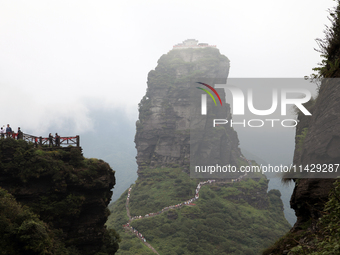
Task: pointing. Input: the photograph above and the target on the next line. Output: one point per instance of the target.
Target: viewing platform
(47, 142)
(64, 141)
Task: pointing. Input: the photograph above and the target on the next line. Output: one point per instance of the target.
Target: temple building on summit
(192, 43)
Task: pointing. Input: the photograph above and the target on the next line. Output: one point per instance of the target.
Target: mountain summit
(165, 112)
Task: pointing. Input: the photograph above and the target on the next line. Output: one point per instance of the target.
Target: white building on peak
(192, 43)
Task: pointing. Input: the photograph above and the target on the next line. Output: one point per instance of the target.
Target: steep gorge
(316, 197)
(320, 146)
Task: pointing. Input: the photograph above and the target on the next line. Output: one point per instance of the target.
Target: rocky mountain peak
(163, 128)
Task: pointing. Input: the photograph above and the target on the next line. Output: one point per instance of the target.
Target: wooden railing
(63, 141)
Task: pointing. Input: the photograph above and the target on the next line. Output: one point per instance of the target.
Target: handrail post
(78, 142)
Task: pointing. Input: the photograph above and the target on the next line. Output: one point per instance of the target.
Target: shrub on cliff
(324, 240)
(329, 48)
(22, 232)
(65, 190)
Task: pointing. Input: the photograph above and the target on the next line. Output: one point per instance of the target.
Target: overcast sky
(58, 58)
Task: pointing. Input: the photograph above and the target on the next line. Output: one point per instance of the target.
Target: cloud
(56, 56)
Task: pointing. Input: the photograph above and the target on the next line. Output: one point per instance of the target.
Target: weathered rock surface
(321, 146)
(165, 112)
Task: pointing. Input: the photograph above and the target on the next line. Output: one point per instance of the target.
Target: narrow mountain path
(134, 231)
(129, 228)
(186, 203)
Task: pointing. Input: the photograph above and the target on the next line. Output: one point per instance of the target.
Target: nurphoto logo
(242, 101)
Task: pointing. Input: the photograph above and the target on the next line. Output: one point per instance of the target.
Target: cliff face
(316, 230)
(68, 192)
(321, 146)
(316, 200)
(163, 128)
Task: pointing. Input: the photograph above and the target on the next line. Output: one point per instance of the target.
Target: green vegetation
(228, 218)
(323, 239)
(328, 236)
(160, 188)
(329, 48)
(56, 188)
(301, 139)
(131, 245)
(22, 232)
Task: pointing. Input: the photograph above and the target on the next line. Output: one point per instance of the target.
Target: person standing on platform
(50, 139)
(2, 132)
(20, 134)
(57, 140)
(8, 131)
